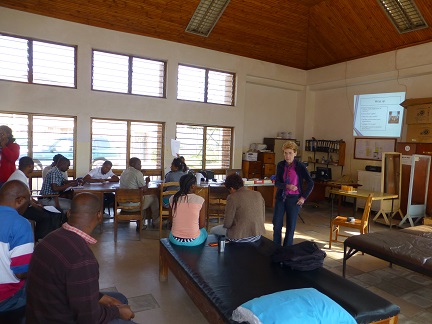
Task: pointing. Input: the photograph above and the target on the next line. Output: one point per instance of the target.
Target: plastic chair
(165, 191)
(341, 221)
(128, 206)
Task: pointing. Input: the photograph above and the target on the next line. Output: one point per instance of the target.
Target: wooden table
(112, 186)
(203, 190)
(99, 189)
(362, 193)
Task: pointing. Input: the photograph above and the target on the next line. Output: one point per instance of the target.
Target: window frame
(38, 173)
(206, 79)
(155, 174)
(204, 144)
(30, 62)
(130, 60)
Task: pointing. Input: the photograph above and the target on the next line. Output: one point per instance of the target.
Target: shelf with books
(328, 153)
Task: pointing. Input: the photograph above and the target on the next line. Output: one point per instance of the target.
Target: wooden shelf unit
(317, 150)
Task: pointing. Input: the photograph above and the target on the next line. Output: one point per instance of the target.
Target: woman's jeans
(291, 209)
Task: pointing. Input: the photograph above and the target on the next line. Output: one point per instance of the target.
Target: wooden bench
(220, 282)
(410, 248)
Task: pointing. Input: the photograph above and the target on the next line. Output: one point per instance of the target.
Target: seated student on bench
(244, 212)
(188, 214)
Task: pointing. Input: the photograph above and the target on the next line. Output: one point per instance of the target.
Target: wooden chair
(217, 202)
(341, 221)
(123, 212)
(163, 211)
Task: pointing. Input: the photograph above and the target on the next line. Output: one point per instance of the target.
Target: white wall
(271, 107)
(331, 89)
(269, 97)
(84, 103)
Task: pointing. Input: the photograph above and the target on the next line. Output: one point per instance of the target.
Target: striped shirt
(246, 239)
(85, 236)
(16, 248)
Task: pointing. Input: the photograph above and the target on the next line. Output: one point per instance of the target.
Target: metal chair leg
(301, 218)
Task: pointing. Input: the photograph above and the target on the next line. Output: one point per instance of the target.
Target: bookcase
(325, 153)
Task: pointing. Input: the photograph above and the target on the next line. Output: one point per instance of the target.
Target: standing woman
(290, 195)
(9, 153)
(188, 214)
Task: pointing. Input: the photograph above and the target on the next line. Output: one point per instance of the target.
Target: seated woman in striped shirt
(188, 214)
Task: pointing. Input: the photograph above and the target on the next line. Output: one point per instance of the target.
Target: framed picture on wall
(371, 148)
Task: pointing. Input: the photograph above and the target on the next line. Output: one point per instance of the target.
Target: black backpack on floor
(303, 256)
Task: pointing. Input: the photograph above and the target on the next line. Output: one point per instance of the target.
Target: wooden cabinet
(318, 192)
(252, 169)
(266, 157)
(408, 149)
(269, 170)
(268, 163)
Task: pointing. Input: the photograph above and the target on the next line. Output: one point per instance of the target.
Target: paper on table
(175, 147)
(52, 209)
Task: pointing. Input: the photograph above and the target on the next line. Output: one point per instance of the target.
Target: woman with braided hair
(173, 176)
(188, 214)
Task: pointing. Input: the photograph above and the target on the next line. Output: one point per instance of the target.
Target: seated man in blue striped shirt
(16, 245)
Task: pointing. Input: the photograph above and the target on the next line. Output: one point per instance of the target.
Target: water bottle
(221, 243)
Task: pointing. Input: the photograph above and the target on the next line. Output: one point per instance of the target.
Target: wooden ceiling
(304, 34)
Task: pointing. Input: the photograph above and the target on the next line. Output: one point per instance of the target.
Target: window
(42, 137)
(205, 147)
(404, 15)
(144, 142)
(28, 60)
(205, 85)
(128, 74)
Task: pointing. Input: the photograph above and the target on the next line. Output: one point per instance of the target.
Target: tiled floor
(132, 267)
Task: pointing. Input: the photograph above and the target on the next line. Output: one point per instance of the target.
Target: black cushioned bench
(410, 248)
(220, 282)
